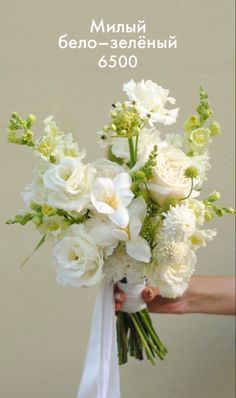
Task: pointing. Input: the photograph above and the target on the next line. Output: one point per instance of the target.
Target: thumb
(149, 293)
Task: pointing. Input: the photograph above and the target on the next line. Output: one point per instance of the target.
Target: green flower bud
(113, 114)
(112, 127)
(230, 210)
(213, 196)
(191, 172)
(208, 216)
(31, 119)
(170, 202)
(219, 211)
(14, 139)
(136, 130)
(106, 129)
(215, 128)
(125, 105)
(191, 123)
(37, 220)
(48, 210)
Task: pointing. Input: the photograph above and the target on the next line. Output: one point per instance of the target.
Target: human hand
(205, 294)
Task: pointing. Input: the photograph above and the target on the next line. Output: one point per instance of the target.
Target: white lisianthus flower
(172, 268)
(151, 100)
(69, 184)
(78, 261)
(179, 223)
(200, 236)
(112, 196)
(120, 265)
(169, 179)
(106, 168)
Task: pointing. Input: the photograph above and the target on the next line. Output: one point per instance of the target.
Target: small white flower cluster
(101, 225)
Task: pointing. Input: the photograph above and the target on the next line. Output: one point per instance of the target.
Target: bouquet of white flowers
(131, 218)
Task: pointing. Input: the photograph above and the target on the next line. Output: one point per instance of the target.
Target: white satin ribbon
(133, 297)
(100, 377)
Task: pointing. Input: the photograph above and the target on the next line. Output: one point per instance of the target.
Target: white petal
(138, 207)
(120, 217)
(103, 235)
(121, 234)
(101, 207)
(139, 249)
(135, 226)
(123, 180)
(125, 196)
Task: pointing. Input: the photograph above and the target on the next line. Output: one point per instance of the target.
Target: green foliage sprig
(19, 129)
(215, 209)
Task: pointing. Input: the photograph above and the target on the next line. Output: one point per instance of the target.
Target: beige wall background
(44, 327)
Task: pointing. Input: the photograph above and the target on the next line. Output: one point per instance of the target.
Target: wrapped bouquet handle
(133, 332)
(133, 297)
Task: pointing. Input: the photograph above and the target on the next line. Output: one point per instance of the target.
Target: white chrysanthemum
(172, 267)
(69, 184)
(201, 236)
(151, 100)
(120, 265)
(78, 261)
(179, 223)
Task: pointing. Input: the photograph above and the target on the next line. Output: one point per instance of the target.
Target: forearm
(211, 295)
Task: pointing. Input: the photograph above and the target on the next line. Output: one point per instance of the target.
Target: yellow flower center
(112, 201)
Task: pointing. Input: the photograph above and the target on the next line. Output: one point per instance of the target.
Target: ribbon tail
(100, 378)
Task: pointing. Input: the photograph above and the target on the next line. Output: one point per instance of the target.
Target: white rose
(151, 100)
(169, 179)
(69, 184)
(78, 261)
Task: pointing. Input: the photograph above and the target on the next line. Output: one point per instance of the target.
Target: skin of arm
(205, 295)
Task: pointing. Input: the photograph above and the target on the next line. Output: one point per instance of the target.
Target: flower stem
(131, 152)
(191, 190)
(147, 349)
